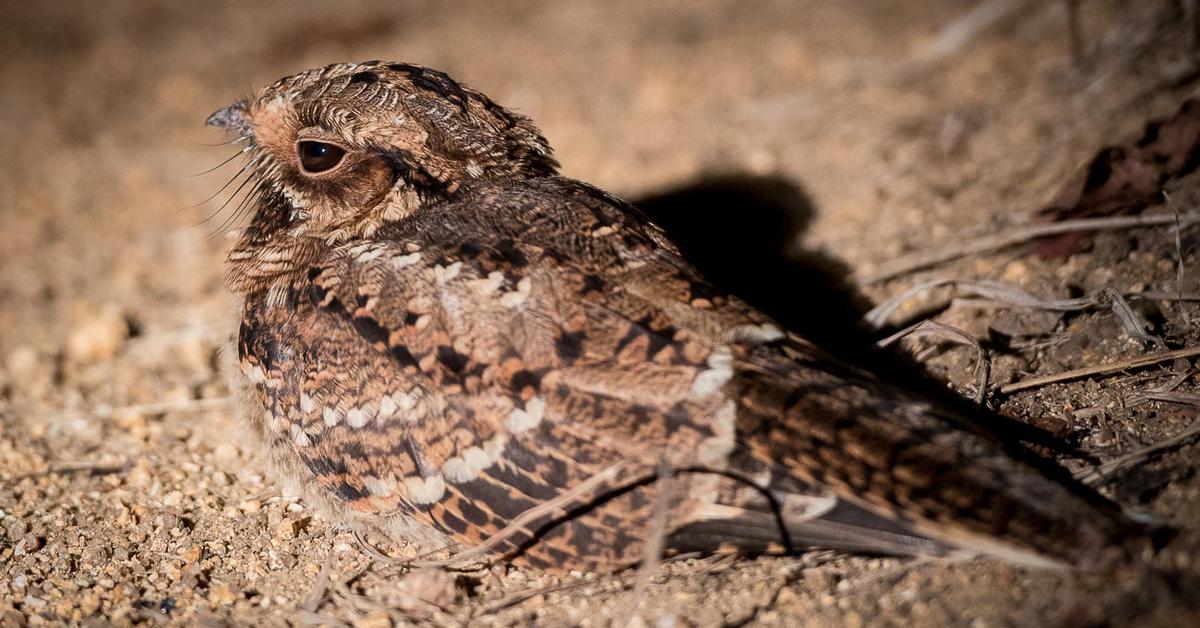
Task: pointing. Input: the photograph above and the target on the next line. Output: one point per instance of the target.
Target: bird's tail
(913, 476)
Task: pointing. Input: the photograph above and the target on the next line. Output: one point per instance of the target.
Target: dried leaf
(1126, 179)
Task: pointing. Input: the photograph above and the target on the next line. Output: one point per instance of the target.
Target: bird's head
(335, 153)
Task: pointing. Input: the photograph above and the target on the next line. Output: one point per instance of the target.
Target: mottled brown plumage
(441, 334)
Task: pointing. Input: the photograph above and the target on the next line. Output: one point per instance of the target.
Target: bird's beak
(232, 118)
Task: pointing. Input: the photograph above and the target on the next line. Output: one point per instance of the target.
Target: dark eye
(317, 157)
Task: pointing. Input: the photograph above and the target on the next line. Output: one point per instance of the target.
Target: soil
(128, 495)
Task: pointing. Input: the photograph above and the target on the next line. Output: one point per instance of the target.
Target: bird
(443, 341)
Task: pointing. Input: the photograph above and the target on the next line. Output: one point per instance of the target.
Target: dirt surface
(127, 496)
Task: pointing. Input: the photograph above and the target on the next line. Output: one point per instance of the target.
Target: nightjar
(444, 341)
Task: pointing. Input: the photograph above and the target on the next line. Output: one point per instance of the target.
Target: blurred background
(849, 132)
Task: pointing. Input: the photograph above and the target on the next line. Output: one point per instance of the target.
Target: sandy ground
(126, 495)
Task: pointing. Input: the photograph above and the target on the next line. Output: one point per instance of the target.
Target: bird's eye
(318, 157)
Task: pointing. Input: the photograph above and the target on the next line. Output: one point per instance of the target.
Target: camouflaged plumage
(442, 334)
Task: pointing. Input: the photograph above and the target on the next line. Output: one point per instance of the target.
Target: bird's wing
(466, 382)
(470, 379)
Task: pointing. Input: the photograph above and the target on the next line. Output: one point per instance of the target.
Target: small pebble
(98, 337)
(22, 362)
(377, 619)
(221, 595)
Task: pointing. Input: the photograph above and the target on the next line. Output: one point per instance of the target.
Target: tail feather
(907, 460)
(846, 528)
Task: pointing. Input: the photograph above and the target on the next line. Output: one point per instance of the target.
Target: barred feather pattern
(441, 335)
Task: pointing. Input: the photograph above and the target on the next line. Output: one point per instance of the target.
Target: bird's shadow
(741, 232)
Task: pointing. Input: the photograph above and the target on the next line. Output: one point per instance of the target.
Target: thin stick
(1165, 392)
(1183, 311)
(998, 292)
(959, 33)
(1134, 325)
(315, 597)
(520, 596)
(622, 580)
(652, 551)
(925, 259)
(373, 552)
(930, 327)
(164, 407)
(993, 290)
(1162, 296)
(1100, 473)
(95, 468)
(1101, 369)
(1187, 399)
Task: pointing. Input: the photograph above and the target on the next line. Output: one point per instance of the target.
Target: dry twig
(991, 290)
(998, 293)
(1102, 472)
(1178, 258)
(1101, 369)
(374, 553)
(164, 407)
(93, 468)
(1020, 235)
(712, 564)
(652, 552)
(945, 332)
(315, 597)
(959, 33)
(1187, 399)
(1162, 296)
(513, 599)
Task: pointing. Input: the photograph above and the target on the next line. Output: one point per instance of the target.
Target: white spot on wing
(306, 403)
(368, 253)
(424, 490)
(381, 487)
(299, 437)
(331, 416)
(255, 374)
(518, 296)
(446, 273)
(403, 401)
(710, 380)
(758, 334)
(404, 261)
(762, 479)
(477, 458)
(522, 420)
(494, 446)
(714, 451)
(466, 467)
(456, 471)
(489, 284)
(387, 407)
(355, 417)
